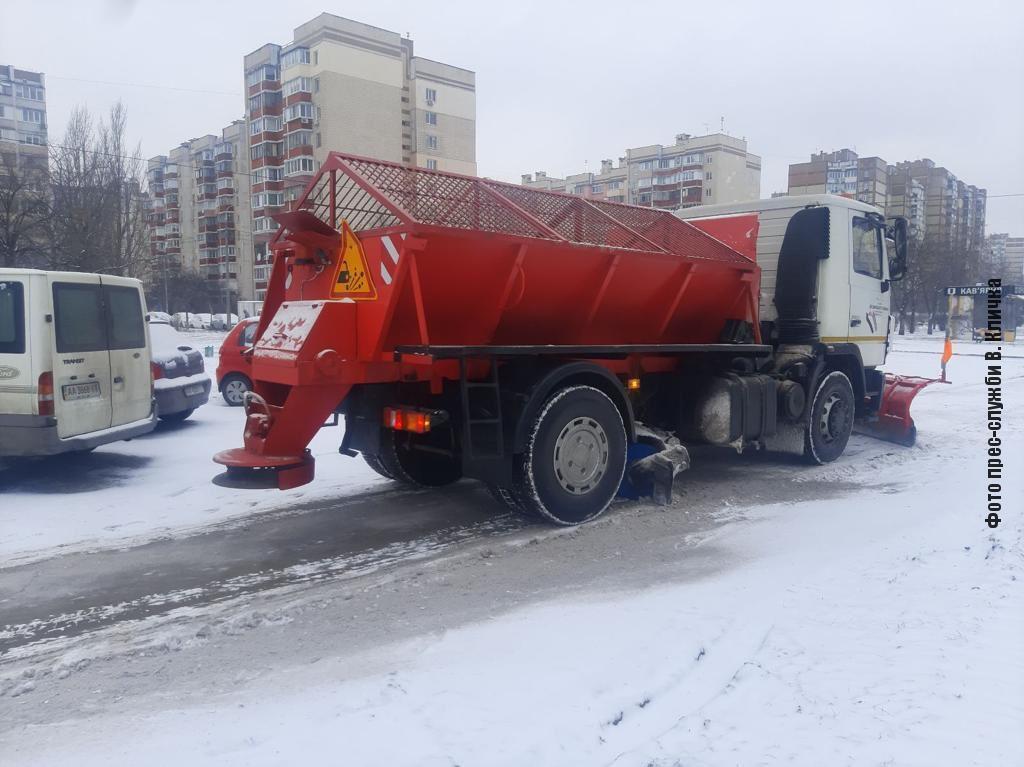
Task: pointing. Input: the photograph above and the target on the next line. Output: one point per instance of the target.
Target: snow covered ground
(880, 626)
(155, 486)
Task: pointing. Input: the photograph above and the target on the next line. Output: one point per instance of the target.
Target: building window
(266, 149)
(260, 74)
(430, 118)
(295, 56)
(265, 124)
(298, 85)
(431, 164)
(30, 92)
(32, 116)
(299, 165)
(707, 191)
(596, 189)
(431, 95)
(298, 138)
(264, 100)
(432, 141)
(300, 111)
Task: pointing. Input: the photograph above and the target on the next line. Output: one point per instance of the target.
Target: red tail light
(156, 371)
(44, 393)
(407, 419)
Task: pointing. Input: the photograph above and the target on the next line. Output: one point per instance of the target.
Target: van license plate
(194, 389)
(81, 390)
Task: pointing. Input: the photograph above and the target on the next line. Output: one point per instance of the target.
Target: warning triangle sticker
(352, 277)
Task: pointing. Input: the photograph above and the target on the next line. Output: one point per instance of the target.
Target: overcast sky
(561, 85)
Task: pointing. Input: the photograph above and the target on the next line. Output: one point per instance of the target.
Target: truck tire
(403, 463)
(575, 458)
(374, 463)
(830, 421)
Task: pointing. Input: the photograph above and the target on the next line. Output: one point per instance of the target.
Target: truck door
(17, 384)
(869, 306)
(81, 362)
(130, 377)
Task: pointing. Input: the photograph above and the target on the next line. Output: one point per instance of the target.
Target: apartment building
(842, 172)
(935, 202)
(1005, 258)
(954, 210)
(341, 85)
(23, 124)
(695, 170)
(906, 198)
(200, 214)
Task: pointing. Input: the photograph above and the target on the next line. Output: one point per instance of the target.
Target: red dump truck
(553, 346)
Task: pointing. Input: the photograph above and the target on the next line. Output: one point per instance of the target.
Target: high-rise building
(340, 85)
(842, 172)
(23, 123)
(954, 211)
(935, 202)
(695, 170)
(200, 215)
(906, 198)
(1005, 258)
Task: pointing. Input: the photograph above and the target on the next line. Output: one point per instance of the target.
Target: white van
(74, 362)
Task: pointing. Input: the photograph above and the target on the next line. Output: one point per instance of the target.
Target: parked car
(158, 317)
(224, 321)
(233, 371)
(200, 321)
(180, 381)
(74, 362)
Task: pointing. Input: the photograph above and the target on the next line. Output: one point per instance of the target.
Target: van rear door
(130, 376)
(17, 387)
(81, 361)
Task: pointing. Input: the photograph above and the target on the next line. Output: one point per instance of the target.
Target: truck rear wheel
(575, 458)
(830, 421)
(401, 460)
(374, 463)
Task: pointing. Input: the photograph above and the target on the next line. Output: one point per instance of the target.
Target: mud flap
(893, 422)
(655, 460)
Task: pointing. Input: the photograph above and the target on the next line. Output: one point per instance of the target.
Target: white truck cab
(74, 362)
(851, 294)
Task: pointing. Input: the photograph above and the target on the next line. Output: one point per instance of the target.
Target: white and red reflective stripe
(385, 274)
(389, 246)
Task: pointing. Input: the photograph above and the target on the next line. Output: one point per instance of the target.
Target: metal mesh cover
(372, 194)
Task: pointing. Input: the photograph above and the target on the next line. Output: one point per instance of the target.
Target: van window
(867, 248)
(12, 318)
(124, 317)
(78, 317)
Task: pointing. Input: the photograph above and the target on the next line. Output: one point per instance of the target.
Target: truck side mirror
(898, 262)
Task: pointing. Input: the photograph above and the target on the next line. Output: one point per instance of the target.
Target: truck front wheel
(830, 422)
(575, 458)
(410, 458)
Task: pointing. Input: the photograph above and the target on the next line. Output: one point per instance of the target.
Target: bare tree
(24, 214)
(98, 205)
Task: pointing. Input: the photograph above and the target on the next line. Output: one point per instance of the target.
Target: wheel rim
(234, 391)
(832, 424)
(581, 455)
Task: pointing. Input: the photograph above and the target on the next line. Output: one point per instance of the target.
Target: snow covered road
(857, 613)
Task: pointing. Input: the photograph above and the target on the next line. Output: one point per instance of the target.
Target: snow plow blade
(894, 423)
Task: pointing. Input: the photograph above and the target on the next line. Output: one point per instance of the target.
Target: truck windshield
(12, 318)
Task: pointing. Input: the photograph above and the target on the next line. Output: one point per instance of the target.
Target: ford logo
(6, 371)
